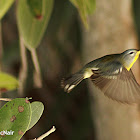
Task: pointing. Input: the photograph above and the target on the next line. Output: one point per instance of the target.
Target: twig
(37, 76)
(23, 70)
(5, 99)
(46, 134)
(1, 50)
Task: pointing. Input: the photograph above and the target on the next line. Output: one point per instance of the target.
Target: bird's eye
(131, 52)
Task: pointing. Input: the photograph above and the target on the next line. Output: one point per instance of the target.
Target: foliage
(19, 115)
(7, 82)
(37, 110)
(85, 7)
(31, 27)
(4, 6)
(35, 7)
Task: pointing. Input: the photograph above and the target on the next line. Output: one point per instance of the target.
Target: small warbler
(112, 75)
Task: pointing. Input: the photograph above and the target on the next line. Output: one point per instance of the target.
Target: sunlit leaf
(37, 110)
(15, 116)
(4, 6)
(7, 82)
(85, 8)
(30, 28)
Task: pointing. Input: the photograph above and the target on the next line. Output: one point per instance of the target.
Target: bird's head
(129, 57)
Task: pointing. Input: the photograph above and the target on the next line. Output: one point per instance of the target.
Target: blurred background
(61, 53)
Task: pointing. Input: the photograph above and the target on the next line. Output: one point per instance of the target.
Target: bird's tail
(70, 82)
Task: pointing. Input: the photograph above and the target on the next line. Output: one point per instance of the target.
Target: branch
(37, 76)
(46, 134)
(1, 45)
(5, 99)
(1, 50)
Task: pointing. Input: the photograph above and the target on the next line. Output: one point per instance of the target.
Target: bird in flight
(112, 75)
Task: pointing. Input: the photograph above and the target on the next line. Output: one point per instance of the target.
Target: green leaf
(37, 110)
(15, 116)
(35, 7)
(30, 28)
(85, 8)
(4, 7)
(7, 82)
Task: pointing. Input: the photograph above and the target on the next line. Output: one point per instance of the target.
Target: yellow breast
(131, 64)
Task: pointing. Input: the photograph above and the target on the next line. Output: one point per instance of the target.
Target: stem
(5, 99)
(23, 70)
(37, 74)
(46, 134)
(1, 45)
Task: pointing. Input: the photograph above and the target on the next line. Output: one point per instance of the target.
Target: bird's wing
(121, 86)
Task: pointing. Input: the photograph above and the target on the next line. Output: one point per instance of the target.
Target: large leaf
(85, 8)
(15, 116)
(30, 27)
(37, 110)
(7, 82)
(4, 7)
